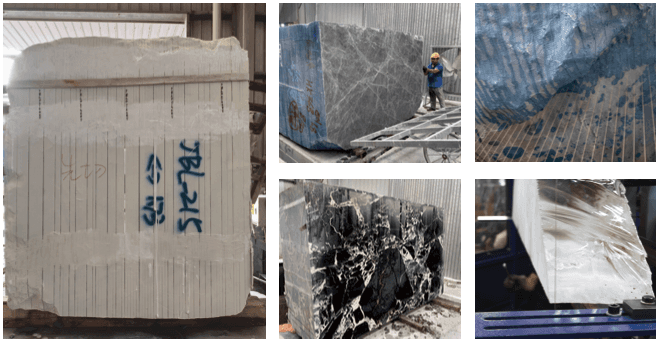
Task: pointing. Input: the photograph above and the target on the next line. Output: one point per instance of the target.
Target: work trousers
(436, 93)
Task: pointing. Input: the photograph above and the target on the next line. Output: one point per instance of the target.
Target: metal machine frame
(575, 323)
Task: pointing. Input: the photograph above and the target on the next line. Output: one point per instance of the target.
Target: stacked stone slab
(338, 83)
(354, 261)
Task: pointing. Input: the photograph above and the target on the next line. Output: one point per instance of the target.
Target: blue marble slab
(340, 82)
(527, 53)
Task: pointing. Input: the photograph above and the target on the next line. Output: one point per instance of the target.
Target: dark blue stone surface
(527, 53)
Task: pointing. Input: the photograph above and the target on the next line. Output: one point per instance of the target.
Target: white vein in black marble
(372, 259)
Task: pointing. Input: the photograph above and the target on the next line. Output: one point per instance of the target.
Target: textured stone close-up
(565, 82)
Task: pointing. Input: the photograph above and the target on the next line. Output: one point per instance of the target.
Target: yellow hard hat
(434, 56)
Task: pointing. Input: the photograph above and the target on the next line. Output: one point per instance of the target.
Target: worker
(434, 73)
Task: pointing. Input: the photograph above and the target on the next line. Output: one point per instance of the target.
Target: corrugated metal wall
(341, 13)
(438, 24)
(444, 193)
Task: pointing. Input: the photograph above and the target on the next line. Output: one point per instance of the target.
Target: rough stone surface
(338, 83)
(370, 258)
(565, 82)
(525, 53)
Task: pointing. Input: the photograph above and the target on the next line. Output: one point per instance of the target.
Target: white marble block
(127, 179)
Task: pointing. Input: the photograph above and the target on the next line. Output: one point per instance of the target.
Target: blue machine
(576, 323)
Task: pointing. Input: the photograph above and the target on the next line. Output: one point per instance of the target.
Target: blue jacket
(435, 79)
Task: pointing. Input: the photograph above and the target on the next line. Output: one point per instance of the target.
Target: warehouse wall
(444, 193)
(340, 13)
(439, 24)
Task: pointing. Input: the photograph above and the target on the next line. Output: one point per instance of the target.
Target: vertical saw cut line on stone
(341, 82)
(581, 240)
(129, 201)
(583, 74)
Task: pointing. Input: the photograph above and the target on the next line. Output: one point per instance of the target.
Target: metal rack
(436, 132)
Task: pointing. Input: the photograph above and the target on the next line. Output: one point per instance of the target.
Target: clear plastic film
(591, 249)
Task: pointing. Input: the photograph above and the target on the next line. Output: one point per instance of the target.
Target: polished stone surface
(372, 258)
(341, 82)
(371, 79)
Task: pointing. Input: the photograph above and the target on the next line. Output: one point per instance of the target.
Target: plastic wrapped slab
(354, 261)
(128, 201)
(566, 82)
(341, 82)
(582, 240)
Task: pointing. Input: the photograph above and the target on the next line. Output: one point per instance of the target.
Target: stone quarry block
(340, 82)
(355, 260)
(582, 240)
(109, 206)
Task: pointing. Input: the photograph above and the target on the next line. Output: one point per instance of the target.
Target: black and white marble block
(354, 261)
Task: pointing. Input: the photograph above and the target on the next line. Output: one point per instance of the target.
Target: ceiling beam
(172, 18)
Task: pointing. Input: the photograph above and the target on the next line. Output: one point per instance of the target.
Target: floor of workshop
(432, 321)
(249, 324)
(438, 319)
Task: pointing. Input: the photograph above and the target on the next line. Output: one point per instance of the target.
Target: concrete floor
(410, 155)
(249, 324)
(441, 323)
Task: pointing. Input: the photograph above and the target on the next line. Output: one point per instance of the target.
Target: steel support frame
(401, 134)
